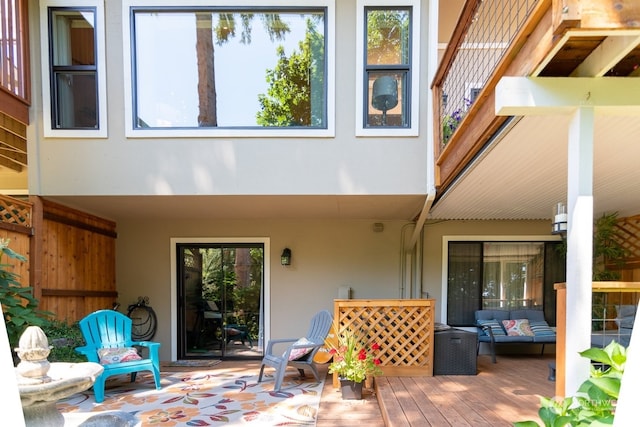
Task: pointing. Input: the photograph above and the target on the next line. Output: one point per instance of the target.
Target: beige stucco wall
(435, 232)
(341, 165)
(326, 255)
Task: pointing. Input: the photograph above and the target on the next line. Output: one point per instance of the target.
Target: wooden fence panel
(70, 255)
(78, 258)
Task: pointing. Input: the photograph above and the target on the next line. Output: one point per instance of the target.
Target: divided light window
(73, 68)
(387, 67)
(229, 67)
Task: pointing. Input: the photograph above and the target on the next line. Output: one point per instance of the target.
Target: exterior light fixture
(285, 258)
(559, 225)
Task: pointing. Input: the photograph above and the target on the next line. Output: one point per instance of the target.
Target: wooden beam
(608, 13)
(606, 56)
(12, 155)
(566, 14)
(520, 96)
(10, 164)
(11, 140)
(77, 293)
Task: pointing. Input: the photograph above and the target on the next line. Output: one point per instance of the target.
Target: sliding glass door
(220, 294)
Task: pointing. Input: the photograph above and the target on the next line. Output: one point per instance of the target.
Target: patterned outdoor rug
(199, 363)
(214, 397)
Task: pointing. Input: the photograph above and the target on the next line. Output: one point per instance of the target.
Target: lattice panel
(14, 211)
(629, 231)
(402, 328)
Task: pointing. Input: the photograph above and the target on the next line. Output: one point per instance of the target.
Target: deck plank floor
(499, 395)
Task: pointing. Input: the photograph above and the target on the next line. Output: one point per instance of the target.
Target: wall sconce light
(385, 95)
(559, 225)
(285, 258)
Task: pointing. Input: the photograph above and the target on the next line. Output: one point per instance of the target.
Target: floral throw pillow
(517, 327)
(297, 353)
(117, 355)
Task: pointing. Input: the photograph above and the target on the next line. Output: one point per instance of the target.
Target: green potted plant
(608, 250)
(353, 361)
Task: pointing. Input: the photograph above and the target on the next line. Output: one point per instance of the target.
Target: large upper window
(73, 73)
(502, 276)
(388, 68)
(228, 68)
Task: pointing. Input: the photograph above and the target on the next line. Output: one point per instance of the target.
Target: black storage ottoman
(455, 352)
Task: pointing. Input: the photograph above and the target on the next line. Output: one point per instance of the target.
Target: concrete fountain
(41, 384)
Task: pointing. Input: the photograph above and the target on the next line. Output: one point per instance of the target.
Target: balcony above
(478, 151)
(14, 85)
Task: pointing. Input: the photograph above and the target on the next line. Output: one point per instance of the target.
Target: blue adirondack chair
(300, 351)
(107, 334)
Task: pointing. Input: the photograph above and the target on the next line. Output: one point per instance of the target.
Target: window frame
(47, 67)
(413, 74)
(482, 239)
(225, 132)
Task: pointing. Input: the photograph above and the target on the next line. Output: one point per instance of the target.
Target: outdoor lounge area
(515, 384)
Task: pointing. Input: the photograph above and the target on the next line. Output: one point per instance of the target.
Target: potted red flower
(353, 362)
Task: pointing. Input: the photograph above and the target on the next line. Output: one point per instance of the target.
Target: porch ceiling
(326, 207)
(525, 174)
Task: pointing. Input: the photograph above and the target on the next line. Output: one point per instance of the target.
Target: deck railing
(483, 34)
(13, 47)
(622, 293)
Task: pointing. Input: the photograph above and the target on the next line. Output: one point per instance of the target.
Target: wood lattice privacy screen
(403, 329)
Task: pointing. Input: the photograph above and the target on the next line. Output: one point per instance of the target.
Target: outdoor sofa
(515, 327)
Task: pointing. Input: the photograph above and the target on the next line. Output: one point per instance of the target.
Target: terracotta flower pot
(351, 390)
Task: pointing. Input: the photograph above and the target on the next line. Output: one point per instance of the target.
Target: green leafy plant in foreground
(19, 306)
(594, 403)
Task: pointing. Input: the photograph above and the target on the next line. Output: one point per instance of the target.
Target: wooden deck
(499, 395)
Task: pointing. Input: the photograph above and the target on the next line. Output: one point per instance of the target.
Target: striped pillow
(541, 328)
(496, 328)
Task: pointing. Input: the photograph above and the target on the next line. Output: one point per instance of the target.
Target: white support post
(579, 247)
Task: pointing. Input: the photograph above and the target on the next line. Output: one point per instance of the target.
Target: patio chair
(300, 352)
(107, 334)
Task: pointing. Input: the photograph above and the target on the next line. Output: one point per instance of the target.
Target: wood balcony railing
(15, 93)
(533, 38)
(481, 48)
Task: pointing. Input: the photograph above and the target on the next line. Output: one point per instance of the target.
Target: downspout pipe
(432, 64)
(411, 245)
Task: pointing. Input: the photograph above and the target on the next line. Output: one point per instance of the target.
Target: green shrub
(64, 338)
(594, 404)
(19, 306)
